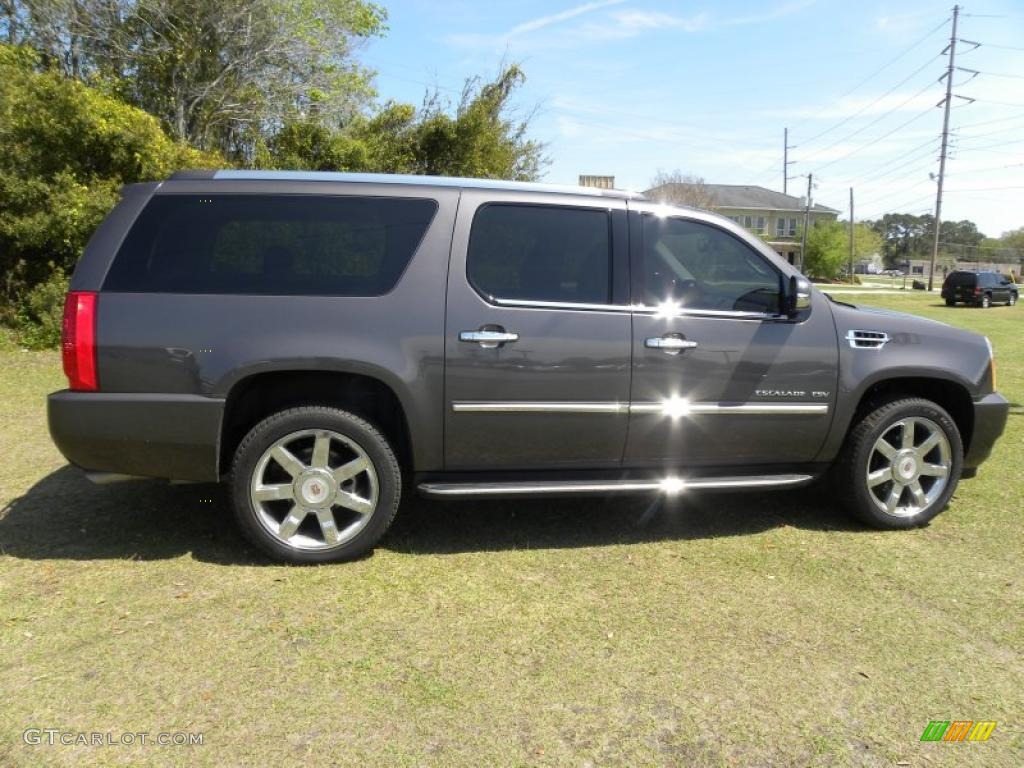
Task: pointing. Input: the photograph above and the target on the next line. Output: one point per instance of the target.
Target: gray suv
(327, 342)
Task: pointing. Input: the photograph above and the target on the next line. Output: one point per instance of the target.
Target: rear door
(719, 378)
(537, 332)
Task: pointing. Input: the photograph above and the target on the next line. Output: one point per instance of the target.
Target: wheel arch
(953, 396)
(256, 396)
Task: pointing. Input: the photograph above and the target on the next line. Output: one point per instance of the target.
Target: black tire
(1012, 300)
(985, 302)
(858, 451)
(386, 469)
(950, 303)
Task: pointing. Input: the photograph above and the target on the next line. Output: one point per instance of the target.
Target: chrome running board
(670, 485)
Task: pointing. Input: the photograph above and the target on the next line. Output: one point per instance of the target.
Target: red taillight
(78, 340)
(977, 290)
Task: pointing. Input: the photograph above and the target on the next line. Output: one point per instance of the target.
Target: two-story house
(774, 216)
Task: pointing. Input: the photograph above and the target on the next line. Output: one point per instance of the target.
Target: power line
(901, 190)
(884, 135)
(1000, 47)
(901, 166)
(886, 166)
(878, 71)
(993, 168)
(996, 74)
(990, 133)
(867, 107)
(996, 144)
(985, 189)
(990, 122)
(1000, 103)
(906, 206)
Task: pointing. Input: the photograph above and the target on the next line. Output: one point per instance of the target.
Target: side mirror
(798, 297)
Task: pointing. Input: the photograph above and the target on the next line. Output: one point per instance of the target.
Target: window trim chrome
(641, 309)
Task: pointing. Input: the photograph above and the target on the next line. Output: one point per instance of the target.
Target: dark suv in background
(981, 289)
(326, 342)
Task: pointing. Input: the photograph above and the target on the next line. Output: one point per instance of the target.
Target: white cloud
(616, 25)
(477, 40)
(554, 18)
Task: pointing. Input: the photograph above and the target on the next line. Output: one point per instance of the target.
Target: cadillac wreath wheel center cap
(315, 490)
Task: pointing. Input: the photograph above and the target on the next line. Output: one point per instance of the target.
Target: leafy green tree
(866, 241)
(828, 250)
(479, 137)
(217, 74)
(67, 150)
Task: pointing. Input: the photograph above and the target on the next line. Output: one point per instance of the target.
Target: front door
(537, 333)
(719, 377)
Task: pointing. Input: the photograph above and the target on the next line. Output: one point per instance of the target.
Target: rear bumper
(172, 436)
(990, 414)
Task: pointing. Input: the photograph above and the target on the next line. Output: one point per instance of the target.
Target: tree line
(95, 94)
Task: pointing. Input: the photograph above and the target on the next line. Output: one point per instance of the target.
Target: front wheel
(901, 464)
(950, 303)
(1012, 300)
(315, 485)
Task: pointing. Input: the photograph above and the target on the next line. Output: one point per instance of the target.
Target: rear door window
(541, 253)
(270, 245)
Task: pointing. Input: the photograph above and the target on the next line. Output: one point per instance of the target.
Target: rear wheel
(901, 464)
(986, 301)
(315, 485)
(950, 303)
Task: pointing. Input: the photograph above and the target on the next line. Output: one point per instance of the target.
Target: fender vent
(867, 339)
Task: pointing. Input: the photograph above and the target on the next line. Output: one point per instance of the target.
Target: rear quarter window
(270, 245)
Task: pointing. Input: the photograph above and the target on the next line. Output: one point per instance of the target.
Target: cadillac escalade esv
(327, 342)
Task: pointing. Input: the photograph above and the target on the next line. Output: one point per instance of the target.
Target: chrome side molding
(668, 485)
(667, 408)
(529, 406)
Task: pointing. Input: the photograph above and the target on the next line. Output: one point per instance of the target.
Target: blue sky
(628, 87)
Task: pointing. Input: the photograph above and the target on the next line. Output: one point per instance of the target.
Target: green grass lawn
(728, 630)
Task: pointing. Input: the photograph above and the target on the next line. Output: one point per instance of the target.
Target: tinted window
(699, 266)
(541, 253)
(962, 279)
(270, 244)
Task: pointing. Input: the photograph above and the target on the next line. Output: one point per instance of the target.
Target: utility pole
(807, 218)
(851, 235)
(945, 141)
(785, 161)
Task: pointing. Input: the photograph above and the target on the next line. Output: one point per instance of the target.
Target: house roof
(747, 196)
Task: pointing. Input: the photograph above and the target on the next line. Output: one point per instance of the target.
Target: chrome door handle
(488, 339)
(673, 345)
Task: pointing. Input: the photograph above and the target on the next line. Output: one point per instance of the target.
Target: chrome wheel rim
(314, 489)
(908, 467)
